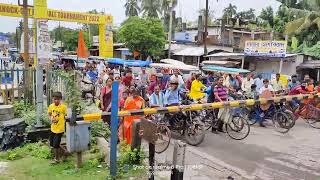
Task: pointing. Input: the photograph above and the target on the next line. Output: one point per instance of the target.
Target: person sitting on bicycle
(172, 94)
(197, 88)
(156, 98)
(299, 89)
(252, 94)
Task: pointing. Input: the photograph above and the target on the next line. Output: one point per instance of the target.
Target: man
(221, 95)
(294, 82)
(156, 98)
(266, 87)
(247, 83)
(101, 67)
(172, 94)
(196, 90)
(258, 82)
(178, 78)
(277, 84)
(144, 78)
(190, 80)
(306, 77)
(233, 83)
(92, 74)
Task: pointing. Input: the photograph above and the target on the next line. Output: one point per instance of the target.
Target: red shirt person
(127, 79)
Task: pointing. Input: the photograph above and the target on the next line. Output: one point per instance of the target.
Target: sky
(187, 9)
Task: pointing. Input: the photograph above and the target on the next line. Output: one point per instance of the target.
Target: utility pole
(27, 83)
(170, 29)
(206, 29)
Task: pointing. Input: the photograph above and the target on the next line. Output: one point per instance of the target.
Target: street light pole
(170, 29)
(206, 29)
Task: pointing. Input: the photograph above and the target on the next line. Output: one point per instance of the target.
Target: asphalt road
(267, 154)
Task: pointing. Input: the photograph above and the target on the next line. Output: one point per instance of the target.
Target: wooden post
(136, 138)
(178, 160)
(281, 64)
(242, 63)
(318, 77)
(79, 159)
(151, 160)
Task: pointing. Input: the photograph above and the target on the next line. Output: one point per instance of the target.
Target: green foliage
(294, 43)
(69, 37)
(29, 114)
(132, 8)
(267, 16)
(143, 35)
(20, 107)
(129, 157)
(313, 51)
(37, 150)
(94, 28)
(100, 129)
(72, 93)
(151, 8)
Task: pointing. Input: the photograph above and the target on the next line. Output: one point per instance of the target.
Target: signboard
(265, 48)
(44, 45)
(17, 11)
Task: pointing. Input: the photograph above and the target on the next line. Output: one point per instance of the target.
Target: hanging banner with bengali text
(44, 45)
(266, 48)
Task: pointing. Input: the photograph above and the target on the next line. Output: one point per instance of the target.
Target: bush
(100, 129)
(20, 107)
(37, 150)
(129, 157)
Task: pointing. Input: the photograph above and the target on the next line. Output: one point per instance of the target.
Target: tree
(69, 37)
(145, 35)
(151, 8)
(165, 6)
(92, 28)
(132, 8)
(211, 17)
(229, 12)
(267, 16)
(247, 15)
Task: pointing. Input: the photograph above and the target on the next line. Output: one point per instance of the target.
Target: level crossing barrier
(115, 114)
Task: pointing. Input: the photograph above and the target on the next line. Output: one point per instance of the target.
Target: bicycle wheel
(238, 128)
(292, 119)
(252, 118)
(207, 119)
(194, 133)
(163, 140)
(279, 120)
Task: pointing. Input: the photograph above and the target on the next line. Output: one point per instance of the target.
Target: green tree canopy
(69, 37)
(143, 35)
(229, 12)
(267, 16)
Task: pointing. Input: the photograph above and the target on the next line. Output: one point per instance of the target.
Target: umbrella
(172, 61)
(224, 69)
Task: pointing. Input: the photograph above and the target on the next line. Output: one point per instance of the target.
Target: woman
(133, 102)
(105, 96)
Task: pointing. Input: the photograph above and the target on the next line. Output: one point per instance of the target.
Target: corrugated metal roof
(224, 54)
(198, 50)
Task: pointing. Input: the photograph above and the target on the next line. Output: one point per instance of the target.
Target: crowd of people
(163, 89)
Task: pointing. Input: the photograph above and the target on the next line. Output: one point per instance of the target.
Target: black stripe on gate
(136, 112)
(305, 97)
(207, 106)
(282, 100)
(162, 110)
(269, 101)
(295, 98)
(257, 102)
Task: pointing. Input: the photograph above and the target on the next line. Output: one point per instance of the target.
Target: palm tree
(151, 8)
(229, 12)
(132, 8)
(165, 5)
(304, 18)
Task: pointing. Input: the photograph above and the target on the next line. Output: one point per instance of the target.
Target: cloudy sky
(187, 9)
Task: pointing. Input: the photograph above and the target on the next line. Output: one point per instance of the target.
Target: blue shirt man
(156, 98)
(293, 83)
(172, 95)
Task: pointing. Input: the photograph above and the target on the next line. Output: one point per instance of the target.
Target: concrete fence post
(178, 160)
(136, 137)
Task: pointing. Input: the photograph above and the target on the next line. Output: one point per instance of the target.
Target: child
(57, 112)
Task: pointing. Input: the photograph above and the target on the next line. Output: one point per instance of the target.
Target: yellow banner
(86, 18)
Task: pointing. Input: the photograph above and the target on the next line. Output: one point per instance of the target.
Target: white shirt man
(264, 88)
(246, 84)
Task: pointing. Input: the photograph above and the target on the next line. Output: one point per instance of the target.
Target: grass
(30, 163)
